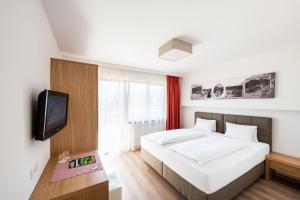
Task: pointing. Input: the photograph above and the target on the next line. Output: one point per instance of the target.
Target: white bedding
(171, 136)
(206, 149)
(215, 174)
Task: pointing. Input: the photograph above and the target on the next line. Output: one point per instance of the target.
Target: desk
(90, 186)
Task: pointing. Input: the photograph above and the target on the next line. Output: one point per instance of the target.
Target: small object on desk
(63, 157)
(63, 171)
(67, 154)
(73, 163)
(284, 164)
(77, 162)
(61, 161)
(94, 168)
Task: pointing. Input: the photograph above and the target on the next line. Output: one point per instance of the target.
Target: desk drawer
(285, 169)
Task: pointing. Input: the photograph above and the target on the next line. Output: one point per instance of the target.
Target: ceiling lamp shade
(175, 50)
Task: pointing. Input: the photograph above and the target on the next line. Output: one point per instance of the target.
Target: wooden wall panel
(80, 81)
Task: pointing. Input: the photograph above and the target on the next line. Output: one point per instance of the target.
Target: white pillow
(205, 125)
(241, 132)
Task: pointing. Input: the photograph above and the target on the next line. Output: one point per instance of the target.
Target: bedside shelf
(284, 164)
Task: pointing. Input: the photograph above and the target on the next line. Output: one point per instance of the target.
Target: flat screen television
(52, 111)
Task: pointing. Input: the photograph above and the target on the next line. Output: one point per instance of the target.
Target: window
(146, 102)
(131, 104)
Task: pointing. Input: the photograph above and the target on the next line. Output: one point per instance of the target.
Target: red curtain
(173, 103)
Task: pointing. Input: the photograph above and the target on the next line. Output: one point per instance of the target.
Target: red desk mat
(62, 171)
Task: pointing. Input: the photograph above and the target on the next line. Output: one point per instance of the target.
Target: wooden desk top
(285, 159)
(67, 187)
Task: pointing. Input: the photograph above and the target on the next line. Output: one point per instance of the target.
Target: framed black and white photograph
(260, 86)
(234, 91)
(196, 92)
(207, 93)
(251, 87)
(218, 90)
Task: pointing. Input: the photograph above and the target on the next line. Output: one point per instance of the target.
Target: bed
(215, 179)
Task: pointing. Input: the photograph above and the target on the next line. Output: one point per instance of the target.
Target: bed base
(156, 164)
(191, 192)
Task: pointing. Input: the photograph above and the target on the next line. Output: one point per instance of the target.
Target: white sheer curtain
(131, 104)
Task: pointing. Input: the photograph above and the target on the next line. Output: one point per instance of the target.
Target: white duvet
(171, 136)
(215, 174)
(205, 149)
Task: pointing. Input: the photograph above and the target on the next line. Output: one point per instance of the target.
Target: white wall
(284, 60)
(284, 109)
(26, 45)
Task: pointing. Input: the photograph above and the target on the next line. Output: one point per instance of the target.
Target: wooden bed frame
(264, 134)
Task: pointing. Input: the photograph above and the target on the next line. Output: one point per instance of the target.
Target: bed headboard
(214, 116)
(264, 125)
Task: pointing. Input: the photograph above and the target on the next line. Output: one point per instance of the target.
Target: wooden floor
(140, 182)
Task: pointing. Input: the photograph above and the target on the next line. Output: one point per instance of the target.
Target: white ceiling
(129, 32)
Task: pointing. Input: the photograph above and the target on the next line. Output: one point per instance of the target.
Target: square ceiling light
(175, 50)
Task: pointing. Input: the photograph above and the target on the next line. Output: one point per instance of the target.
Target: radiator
(139, 129)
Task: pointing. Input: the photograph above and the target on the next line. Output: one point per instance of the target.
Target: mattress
(215, 174)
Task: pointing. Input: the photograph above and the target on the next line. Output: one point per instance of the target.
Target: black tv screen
(51, 113)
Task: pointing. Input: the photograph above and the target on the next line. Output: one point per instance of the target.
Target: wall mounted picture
(218, 90)
(234, 91)
(252, 87)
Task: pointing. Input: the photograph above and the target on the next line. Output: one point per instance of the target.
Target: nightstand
(283, 164)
